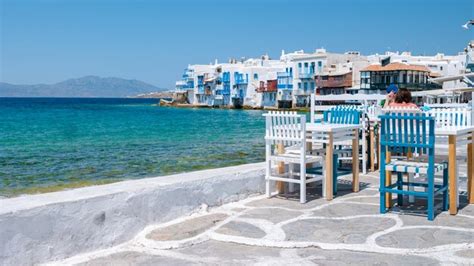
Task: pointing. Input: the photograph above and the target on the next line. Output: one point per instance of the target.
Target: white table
(457, 135)
(330, 134)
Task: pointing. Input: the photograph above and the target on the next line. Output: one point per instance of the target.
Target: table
(458, 135)
(330, 134)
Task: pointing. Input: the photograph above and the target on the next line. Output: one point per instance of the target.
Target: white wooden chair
(288, 129)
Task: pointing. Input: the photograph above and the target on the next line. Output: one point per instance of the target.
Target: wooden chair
(401, 133)
(288, 130)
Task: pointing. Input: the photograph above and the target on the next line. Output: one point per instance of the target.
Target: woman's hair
(403, 96)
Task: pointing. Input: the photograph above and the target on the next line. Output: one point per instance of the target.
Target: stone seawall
(51, 226)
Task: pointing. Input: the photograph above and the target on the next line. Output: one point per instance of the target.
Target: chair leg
(411, 178)
(445, 193)
(267, 187)
(291, 185)
(303, 183)
(383, 207)
(334, 173)
(400, 187)
(431, 196)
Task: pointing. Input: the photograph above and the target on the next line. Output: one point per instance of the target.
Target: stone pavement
(280, 230)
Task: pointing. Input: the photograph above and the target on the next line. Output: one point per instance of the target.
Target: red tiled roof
(396, 66)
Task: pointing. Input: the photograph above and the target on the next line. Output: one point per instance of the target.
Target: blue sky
(49, 41)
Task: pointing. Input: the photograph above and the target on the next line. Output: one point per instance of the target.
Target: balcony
(285, 86)
(241, 78)
(301, 92)
(306, 75)
(269, 86)
(334, 81)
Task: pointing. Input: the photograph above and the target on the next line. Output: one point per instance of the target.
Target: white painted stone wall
(51, 226)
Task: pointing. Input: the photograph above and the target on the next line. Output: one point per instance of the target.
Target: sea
(49, 144)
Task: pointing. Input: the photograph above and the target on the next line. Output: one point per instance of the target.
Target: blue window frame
(255, 76)
(299, 85)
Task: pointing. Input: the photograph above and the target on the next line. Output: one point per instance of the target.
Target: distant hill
(88, 86)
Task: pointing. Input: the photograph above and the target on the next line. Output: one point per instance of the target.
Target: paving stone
(350, 231)
(230, 253)
(187, 229)
(290, 202)
(443, 219)
(342, 209)
(368, 199)
(236, 228)
(271, 214)
(467, 210)
(342, 257)
(467, 253)
(424, 238)
(134, 258)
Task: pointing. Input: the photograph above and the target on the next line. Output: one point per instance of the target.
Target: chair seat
(413, 167)
(295, 158)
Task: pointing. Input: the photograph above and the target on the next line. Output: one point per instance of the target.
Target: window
(299, 66)
(311, 86)
(305, 86)
(325, 77)
(299, 85)
(255, 76)
(441, 68)
(320, 64)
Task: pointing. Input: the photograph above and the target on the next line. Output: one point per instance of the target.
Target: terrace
(347, 230)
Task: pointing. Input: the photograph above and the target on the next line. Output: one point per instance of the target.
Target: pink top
(403, 105)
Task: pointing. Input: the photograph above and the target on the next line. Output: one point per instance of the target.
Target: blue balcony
(226, 77)
(285, 86)
(241, 79)
(285, 81)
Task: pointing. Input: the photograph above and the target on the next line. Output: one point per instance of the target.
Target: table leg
(377, 140)
(453, 184)
(280, 169)
(388, 181)
(329, 166)
(355, 161)
(470, 170)
(372, 150)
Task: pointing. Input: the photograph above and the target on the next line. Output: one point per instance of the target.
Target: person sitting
(403, 99)
(391, 92)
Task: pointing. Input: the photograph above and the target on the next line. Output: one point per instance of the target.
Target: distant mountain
(88, 86)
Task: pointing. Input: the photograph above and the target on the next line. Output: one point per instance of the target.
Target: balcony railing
(302, 92)
(241, 82)
(306, 75)
(285, 86)
(284, 75)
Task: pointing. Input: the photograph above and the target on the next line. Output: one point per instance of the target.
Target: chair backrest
(342, 115)
(287, 128)
(373, 111)
(401, 109)
(401, 132)
(452, 116)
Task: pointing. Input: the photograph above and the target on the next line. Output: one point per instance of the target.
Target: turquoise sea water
(48, 142)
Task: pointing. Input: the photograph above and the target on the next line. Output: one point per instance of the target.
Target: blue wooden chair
(348, 114)
(401, 133)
